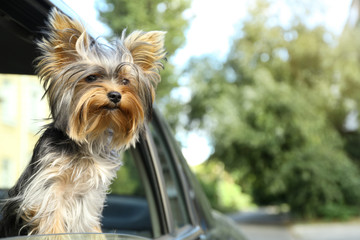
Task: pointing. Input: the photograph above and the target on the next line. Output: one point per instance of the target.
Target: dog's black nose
(115, 97)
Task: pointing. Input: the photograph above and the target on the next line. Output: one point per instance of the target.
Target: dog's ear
(147, 50)
(65, 42)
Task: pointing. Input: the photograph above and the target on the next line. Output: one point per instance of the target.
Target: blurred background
(263, 96)
(264, 93)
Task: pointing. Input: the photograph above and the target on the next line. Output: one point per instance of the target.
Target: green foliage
(276, 110)
(338, 212)
(128, 180)
(223, 194)
(320, 182)
(149, 15)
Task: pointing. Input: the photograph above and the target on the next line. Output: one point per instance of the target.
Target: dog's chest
(69, 190)
(85, 174)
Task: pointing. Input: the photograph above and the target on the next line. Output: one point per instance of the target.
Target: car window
(130, 206)
(171, 178)
(196, 194)
(128, 181)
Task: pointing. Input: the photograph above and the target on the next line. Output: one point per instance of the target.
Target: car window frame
(189, 231)
(153, 166)
(198, 198)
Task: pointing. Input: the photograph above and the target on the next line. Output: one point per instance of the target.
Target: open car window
(172, 180)
(130, 206)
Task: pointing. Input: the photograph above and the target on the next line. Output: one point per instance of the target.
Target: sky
(213, 23)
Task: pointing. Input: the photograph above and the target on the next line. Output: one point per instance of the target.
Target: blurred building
(21, 116)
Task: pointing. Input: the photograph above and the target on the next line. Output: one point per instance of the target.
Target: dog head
(96, 88)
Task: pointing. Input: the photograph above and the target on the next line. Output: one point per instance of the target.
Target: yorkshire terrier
(100, 97)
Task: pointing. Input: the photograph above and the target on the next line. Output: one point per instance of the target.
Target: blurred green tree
(223, 194)
(276, 111)
(149, 15)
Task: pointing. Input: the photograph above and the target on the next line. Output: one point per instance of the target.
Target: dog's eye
(91, 78)
(125, 81)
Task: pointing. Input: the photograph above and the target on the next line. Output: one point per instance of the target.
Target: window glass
(173, 189)
(128, 181)
(130, 206)
(196, 193)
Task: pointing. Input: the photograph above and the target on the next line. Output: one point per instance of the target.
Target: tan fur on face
(91, 116)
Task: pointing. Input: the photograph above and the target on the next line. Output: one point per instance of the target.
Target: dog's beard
(93, 115)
